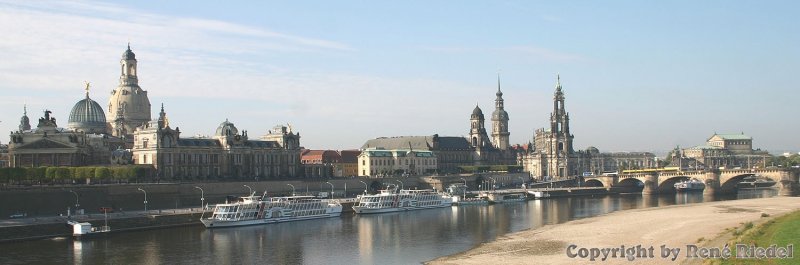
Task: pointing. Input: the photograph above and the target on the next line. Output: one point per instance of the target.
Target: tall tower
(499, 121)
(128, 101)
(560, 149)
(477, 132)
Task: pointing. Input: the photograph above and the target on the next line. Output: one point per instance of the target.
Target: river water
(392, 238)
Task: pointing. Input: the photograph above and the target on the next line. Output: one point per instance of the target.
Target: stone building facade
(50, 145)
(397, 162)
(452, 152)
(727, 151)
(320, 163)
(229, 154)
(349, 163)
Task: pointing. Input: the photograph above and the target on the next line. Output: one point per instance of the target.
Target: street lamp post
(145, 199)
(365, 186)
(76, 200)
(329, 183)
(401, 183)
(290, 185)
(202, 197)
(249, 188)
(465, 181)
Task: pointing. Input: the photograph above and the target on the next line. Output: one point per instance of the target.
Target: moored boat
(505, 197)
(754, 182)
(253, 210)
(689, 185)
(396, 200)
(85, 229)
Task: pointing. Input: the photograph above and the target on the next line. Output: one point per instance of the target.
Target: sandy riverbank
(673, 226)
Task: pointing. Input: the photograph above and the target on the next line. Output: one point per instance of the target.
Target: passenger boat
(689, 185)
(753, 182)
(253, 210)
(505, 197)
(396, 200)
(84, 229)
(469, 201)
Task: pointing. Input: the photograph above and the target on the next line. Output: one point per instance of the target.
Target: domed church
(128, 106)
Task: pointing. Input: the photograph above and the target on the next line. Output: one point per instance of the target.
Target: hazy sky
(638, 75)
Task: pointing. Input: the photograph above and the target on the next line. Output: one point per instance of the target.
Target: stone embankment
(48, 227)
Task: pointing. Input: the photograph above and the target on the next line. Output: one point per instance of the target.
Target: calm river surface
(393, 238)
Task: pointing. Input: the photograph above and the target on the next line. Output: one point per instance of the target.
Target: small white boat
(689, 185)
(253, 210)
(85, 229)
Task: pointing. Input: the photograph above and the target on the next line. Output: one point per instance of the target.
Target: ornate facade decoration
(727, 151)
(49, 145)
(228, 154)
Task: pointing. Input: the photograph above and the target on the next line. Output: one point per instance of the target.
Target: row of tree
(784, 161)
(53, 175)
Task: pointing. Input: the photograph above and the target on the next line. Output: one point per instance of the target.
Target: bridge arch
(593, 183)
(630, 185)
(667, 185)
(729, 185)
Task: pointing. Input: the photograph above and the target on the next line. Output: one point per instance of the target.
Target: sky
(637, 75)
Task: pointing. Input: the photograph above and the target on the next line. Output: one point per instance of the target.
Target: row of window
(391, 162)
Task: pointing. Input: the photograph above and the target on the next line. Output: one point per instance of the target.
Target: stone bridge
(717, 181)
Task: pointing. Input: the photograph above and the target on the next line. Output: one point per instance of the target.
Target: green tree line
(62, 175)
(784, 161)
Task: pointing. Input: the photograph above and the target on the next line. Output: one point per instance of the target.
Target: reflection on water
(393, 238)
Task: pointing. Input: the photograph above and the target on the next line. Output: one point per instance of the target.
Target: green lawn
(781, 231)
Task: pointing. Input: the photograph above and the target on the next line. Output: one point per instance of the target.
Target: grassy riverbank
(781, 231)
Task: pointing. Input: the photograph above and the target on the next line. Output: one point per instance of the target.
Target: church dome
(592, 150)
(87, 116)
(226, 128)
(128, 55)
(500, 115)
(24, 121)
(477, 112)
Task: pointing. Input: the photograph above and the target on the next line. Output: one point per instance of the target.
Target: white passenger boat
(689, 185)
(253, 210)
(394, 200)
(505, 197)
(84, 229)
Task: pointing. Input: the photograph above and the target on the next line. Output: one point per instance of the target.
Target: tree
(375, 186)
(102, 173)
(63, 173)
(50, 173)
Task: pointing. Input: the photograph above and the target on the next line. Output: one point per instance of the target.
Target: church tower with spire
(128, 106)
(24, 121)
(500, 122)
(559, 145)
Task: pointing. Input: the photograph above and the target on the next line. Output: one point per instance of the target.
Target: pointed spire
(162, 107)
(25, 109)
(129, 45)
(558, 81)
(499, 93)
